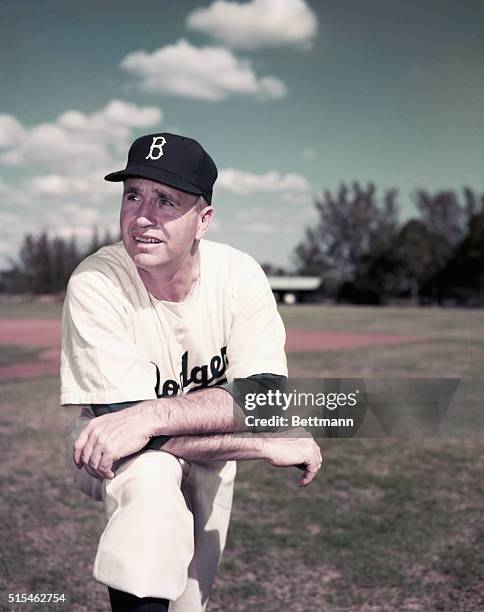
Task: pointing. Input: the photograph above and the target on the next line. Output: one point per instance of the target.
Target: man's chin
(147, 260)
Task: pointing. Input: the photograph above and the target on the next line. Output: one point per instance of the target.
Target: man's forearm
(284, 451)
(219, 447)
(209, 411)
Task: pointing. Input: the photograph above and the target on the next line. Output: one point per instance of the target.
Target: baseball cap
(175, 160)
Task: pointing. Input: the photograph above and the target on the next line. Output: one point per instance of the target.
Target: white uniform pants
(167, 523)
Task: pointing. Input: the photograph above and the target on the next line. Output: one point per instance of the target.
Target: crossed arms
(201, 427)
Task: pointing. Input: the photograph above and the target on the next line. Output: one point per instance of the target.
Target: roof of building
(294, 283)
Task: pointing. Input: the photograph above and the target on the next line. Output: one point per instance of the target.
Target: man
(155, 328)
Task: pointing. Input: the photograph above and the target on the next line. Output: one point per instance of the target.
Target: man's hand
(295, 447)
(110, 437)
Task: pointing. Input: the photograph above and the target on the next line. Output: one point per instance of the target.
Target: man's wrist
(152, 414)
(264, 443)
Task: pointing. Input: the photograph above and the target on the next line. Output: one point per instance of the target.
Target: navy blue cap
(174, 160)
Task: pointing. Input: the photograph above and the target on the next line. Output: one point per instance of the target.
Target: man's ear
(205, 218)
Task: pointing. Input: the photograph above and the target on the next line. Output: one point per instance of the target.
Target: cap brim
(154, 174)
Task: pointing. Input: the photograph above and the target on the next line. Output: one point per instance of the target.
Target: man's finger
(96, 456)
(106, 466)
(87, 451)
(305, 478)
(311, 470)
(93, 473)
(79, 446)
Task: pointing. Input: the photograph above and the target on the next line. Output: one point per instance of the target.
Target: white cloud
(61, 205)
(206, 73)
(11, 130)
(75, 141)
(266, 221)
(56, 185)
(9, 220)
(48, 191)
(12, 228)
(302, 199)
(88, 187)
(80, 221)
(114, 121)
(11, 196)
(308, 153)
(4, 187)
(248, 183)
(256, 24)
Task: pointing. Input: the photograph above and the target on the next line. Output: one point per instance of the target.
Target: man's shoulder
(232, 272)
(227, 257)
(109, 266)
(107, 257)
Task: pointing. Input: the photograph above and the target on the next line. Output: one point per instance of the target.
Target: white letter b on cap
(157, 144)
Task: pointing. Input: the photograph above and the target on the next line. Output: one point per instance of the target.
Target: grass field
(30, 310)
(388, 524)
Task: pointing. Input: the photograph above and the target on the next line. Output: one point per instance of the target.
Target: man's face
(159, 224)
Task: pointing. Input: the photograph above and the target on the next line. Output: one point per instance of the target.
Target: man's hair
(201, 203)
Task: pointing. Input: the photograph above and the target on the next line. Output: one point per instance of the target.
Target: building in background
(293, 289)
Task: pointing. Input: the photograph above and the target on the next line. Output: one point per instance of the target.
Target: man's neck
(173, 285)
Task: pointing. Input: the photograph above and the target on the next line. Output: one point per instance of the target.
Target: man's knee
(152, 477)
(151, 469)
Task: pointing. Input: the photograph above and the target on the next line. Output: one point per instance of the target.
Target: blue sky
(290, 97)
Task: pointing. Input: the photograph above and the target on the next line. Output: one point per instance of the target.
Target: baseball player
(155, 328)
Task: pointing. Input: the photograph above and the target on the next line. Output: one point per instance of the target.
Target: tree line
(45, 264)
(365, 254)
(358, 246)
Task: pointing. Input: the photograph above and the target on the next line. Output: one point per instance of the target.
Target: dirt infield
(45, 333)
(39, 333)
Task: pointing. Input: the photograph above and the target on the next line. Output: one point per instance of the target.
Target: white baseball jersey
(121, 344)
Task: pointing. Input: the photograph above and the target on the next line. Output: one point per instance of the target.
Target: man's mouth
(146, 239)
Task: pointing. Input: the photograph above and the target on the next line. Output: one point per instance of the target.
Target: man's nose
(146, 214)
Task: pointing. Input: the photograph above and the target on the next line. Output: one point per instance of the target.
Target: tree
(463, 276)
(272, 270)
(445, 215)
(351, 223)
(59, 264)
(453, 233)
(44, 265)
(420, 254)
(377, 275)
(95, 243)
(308, 255)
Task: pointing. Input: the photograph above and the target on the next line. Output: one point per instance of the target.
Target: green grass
(32, 309)
(436, 358)
(16, 353)
(394, 523)
(50, 531)
(451, 342)
(427, 322)
(387, 525)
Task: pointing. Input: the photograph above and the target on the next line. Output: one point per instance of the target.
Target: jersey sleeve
(257, 337)
(100, 363)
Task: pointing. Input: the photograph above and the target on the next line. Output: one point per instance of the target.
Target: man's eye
(162, 203)
(132, 197)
